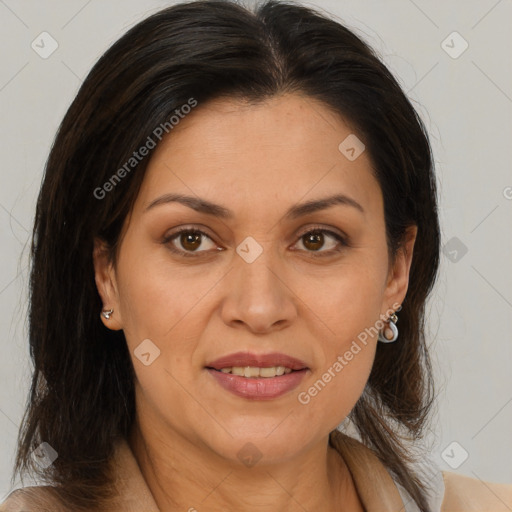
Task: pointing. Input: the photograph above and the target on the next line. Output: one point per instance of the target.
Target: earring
(107, 312)
(390, 333)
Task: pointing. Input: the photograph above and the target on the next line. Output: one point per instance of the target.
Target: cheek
(170, 309)
(332, 392)
(342, 304)
(348, 306)
(157, 299)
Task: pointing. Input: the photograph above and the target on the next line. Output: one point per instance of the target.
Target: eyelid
(326, 229)
(340, 236)
(342, 239)
(167, 240)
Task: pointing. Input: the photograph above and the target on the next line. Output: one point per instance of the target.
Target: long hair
(82, 392)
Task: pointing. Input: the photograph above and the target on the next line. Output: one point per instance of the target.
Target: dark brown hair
(82, 393)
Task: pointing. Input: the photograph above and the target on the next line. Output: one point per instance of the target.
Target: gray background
(465, 101)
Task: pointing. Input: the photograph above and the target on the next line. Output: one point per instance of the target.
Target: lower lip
(262, 388)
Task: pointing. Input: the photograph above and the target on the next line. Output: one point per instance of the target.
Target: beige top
(376, 488)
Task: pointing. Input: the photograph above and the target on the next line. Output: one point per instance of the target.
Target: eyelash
(316, 229)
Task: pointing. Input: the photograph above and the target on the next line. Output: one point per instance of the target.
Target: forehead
(285, 148)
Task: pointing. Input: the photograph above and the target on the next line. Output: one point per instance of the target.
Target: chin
(260, 447)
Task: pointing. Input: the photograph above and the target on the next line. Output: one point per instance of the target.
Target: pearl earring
(107, 312)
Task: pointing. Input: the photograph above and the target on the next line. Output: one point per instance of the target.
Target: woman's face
(257, 282)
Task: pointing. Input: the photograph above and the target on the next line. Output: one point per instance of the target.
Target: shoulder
(466, 494)
(32, 499)
(446, 491)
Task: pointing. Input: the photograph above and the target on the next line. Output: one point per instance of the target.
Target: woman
(236, 211)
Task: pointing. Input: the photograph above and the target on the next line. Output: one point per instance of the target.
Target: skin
(257, 160)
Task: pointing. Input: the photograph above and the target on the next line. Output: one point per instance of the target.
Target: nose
(258, 296)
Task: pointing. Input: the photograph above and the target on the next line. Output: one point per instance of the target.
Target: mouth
(254, 372)
(249, 365)
(258, 377)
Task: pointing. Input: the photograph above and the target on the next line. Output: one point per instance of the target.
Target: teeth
(254, 372)
(268, 372)
(251, 371)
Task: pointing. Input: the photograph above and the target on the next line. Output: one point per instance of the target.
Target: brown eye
(188, 241)
(315, 240)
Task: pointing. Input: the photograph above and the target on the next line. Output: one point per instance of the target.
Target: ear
(398, 275)
(105, 278)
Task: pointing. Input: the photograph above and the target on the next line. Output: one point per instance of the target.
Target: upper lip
(257, 360)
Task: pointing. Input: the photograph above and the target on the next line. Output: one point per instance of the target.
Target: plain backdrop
(452, 58)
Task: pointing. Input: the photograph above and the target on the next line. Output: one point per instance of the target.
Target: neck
(182, 475)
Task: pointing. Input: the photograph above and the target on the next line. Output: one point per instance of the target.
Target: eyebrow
(203, 206)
